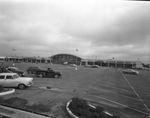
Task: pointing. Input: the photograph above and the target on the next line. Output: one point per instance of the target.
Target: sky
(98, 29)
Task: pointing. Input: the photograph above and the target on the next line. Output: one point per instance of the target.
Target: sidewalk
(15, 113)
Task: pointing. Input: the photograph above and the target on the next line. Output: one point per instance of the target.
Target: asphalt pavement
(7, 112)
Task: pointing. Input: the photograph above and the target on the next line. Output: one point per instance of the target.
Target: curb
(74, 116)
(7, 92)
(24, 110)
(69, 111)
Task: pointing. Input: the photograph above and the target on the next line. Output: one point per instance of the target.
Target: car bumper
(30, 84)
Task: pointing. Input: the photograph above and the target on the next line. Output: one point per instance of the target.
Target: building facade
(73, 59)
(62, 58)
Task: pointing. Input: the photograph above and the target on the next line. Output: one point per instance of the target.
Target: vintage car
(16, 70)
(4, 70)
(92, 66)
(14, 80)
(34, 69)
(73, 65)
(95, 66)
(130, 71)
(49, 73)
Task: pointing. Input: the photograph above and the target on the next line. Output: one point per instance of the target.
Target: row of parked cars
(131, 71)
(126, 71)
(40, 72)
(14, 77)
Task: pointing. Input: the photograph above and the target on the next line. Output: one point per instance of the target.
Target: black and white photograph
(74, 59)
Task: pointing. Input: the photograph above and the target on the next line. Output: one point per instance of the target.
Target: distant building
(63, 58)
(109, 63)
(73, 59)
(2, 59)
(138, 65)
(28, 59)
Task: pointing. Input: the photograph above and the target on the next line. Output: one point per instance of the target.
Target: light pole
(76, 60)
(14, 50)
(149, 63)
(76, 56)
(95, 60)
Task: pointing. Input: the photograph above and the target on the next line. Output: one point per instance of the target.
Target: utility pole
(149, 62)
(76, 56)
(76, 60)
(95, 59)
(116, 64)
(124, 64)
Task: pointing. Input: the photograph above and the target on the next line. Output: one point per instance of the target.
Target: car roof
(13, 67)
(34, 67)
(8, 73)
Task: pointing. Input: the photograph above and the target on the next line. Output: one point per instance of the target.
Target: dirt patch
(58, 110)
(4, 89)
(55, 109)
(38, 108)
(15, 102)
(6, 111)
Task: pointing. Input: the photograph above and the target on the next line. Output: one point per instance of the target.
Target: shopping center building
(73, 59)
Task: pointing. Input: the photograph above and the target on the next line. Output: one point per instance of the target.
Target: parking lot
(122, 94)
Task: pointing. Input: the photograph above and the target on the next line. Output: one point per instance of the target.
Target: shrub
(1, 88)
(81, 108)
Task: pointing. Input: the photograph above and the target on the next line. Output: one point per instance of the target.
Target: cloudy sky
(98, 29)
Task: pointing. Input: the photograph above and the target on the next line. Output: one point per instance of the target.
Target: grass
(2, 89)
(20, 103)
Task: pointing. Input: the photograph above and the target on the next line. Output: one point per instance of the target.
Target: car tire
(41, 75)
(21, 86)
(56, 76)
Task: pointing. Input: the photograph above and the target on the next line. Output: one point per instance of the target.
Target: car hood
(17, 71)
(25, 78)
(56, 71)
(20, 71)
(42, 69)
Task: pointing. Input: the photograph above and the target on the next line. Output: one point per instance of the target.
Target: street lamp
(14, 50)
(76, 60)
(95, 59)
(76, 56)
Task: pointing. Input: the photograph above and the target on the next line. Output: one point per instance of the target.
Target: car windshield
(35, 67)
(16, 68)
(15, 76)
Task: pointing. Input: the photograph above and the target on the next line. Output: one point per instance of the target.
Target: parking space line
(113, 93)
(136, 93)
(110, 86)
(123, 105)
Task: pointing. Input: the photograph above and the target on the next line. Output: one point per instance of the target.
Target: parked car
(49, 73)
(4, 70)
(14, 80)
(65, 63)
(92, 66)
(73, 65)
(130, 71)
(34, 69)
(95, 66)
(16, 70)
